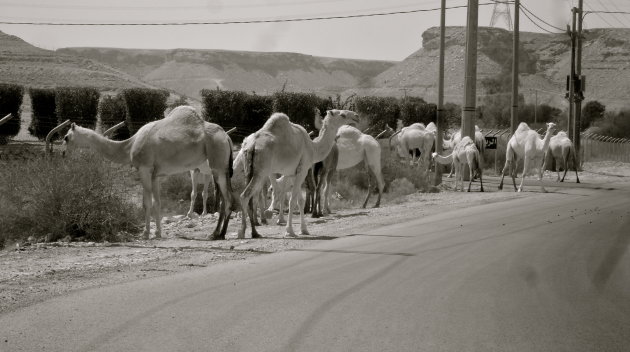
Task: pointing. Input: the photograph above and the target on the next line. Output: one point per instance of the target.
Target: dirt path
(41, 271)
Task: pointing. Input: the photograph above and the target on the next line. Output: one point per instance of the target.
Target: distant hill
(544, 64)
(187, 71)
(25, 64)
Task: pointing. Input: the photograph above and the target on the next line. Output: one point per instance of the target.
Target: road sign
(491, 142)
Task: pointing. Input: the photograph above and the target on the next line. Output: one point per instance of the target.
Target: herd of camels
(282, 153)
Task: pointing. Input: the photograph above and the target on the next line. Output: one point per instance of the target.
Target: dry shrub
(82, 196)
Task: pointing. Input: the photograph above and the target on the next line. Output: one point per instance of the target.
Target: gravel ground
(40, 271)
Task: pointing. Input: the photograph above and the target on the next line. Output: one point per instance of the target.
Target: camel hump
(522, 127)
(277, 120)
(431, 127)
(349, 132)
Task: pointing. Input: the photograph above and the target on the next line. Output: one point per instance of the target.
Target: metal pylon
(501, 10)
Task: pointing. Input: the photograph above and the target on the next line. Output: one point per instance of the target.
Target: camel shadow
(342, 216)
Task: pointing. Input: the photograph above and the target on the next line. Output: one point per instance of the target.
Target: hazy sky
(391, 37)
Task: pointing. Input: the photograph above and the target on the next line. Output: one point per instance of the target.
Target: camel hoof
(290, 234)
(283, 222)
(214, 237)
(306, 233)
(256, 235)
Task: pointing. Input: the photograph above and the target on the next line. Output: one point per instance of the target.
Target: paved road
(544, 273)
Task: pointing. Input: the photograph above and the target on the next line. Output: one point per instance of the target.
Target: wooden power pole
(470, 76)
(515, 42)
(579, 96)
(571, 79)
(440, 120)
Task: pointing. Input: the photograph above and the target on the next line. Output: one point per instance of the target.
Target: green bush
(380, 111)
(44, 114)
(82, 197)
(11, 96)
(143, 105)
(224, 107)
(77, 104)
(113, 111)
(300, 107)
(415, 109)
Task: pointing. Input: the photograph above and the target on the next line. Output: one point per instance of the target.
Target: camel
(179, 142)
(354, 147)
(202, 175)
(526, 144)
(561, 148)
(480, 142)
(283, 147)
(415, 136)
(465, 152)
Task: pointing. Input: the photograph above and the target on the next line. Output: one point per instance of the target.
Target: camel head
(72, 139)
(337, 118)
(551, 127)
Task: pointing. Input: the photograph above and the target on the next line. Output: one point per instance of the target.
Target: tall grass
(81, 196)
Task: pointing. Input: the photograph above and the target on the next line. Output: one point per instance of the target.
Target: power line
(276, 20)
(598, 15)
(536, 24)
(540, 19)
(613, 15)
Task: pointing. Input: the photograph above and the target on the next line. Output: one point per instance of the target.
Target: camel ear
(73, 125)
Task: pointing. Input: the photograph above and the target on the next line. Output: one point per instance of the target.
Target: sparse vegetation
(84, 197)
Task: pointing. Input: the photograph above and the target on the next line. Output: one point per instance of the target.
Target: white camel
(283, 147)
(179, 142)
(465, 152)
(202, 175)
(480, 142)
(415, 136)
(560, 150)
(354, 147)
(526, 144)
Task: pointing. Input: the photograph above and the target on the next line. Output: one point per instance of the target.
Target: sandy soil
(36, 272)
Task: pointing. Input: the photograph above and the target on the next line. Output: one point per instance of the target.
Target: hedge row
(77, 104)
(143, 105)
(10, 101)
(249, 111)
(381, 111)
(44, 114)
(113, 111)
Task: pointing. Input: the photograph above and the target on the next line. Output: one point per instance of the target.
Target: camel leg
(471, 170)
(296, 200)
(481, 179)
(147, 200)
(222, 182)
(253, 187)
(157, 205)
(575, 165)
(374, 164)
(327, 190)
(204, 193)
(369, 186)
(194, 175)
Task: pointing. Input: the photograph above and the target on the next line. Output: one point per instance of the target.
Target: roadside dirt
(33, 273)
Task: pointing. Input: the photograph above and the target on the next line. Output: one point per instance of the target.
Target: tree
(591, 112)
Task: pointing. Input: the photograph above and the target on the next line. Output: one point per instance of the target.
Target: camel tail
(249, 161)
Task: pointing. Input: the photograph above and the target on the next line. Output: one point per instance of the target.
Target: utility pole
(470, 76)
(579, 96)
(571, 78)
(440, 120)
(515, 41)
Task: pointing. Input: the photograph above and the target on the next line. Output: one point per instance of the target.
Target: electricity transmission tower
(501, 10)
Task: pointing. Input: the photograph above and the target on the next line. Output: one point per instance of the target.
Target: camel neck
(324, 142)
(546, 140)
(116, 151)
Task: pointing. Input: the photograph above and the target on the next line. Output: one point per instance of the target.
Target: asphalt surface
(544, 273)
